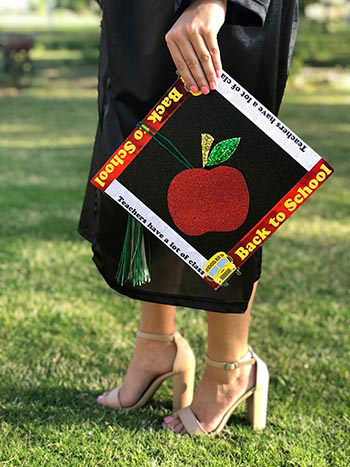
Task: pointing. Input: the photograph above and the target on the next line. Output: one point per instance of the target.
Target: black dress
(135, 69)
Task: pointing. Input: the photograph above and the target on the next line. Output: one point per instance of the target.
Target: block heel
(183, 387)
(257, 402)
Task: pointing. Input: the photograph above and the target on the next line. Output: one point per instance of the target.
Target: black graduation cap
(211, 176)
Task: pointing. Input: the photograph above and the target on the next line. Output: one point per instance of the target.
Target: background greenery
(65, 336)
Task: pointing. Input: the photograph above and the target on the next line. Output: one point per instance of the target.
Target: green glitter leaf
(223, 151)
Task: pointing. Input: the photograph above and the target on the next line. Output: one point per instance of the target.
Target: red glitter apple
(215, 200)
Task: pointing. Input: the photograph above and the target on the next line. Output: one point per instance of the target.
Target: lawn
(65, 336)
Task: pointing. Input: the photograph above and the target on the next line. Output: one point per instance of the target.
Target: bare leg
(150, 357)
(158, 318)
(219, 388)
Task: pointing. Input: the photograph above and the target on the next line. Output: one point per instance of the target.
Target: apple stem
(173, 150)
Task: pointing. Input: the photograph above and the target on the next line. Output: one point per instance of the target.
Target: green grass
(65, 336)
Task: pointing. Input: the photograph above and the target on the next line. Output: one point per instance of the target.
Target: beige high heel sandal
(256, 398)
(183, 374)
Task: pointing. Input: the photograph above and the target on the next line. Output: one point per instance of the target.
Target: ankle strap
(232, 365)
(157, 337)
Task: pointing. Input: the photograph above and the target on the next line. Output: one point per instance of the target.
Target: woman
(142, 45)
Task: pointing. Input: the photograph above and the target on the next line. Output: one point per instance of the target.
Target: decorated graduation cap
(212, 177)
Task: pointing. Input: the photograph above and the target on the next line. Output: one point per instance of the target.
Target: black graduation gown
(135, 69)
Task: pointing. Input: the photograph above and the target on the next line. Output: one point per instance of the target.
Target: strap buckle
(230, 365)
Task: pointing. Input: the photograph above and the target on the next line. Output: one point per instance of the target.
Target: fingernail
(100, 398)
(205, 90)
(194, 89)
(217, 73)
(212, 86)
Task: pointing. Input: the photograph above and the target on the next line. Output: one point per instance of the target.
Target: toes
(171, 420)
(174, 423)
(101, 400)
(171, 425)
(102, 397)
(178, 427)
(110, 398)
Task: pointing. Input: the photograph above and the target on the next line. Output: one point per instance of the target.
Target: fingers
(213, 47)
(181, 65)
(205, 59)
(196, 57)
(191, 64)
(193, 44)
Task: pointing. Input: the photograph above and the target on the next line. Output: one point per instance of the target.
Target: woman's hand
(193, 45)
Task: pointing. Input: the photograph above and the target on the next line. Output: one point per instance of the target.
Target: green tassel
(135, 257)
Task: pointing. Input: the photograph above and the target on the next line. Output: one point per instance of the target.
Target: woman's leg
(150, 357)
(219, 388)
(158, 318)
